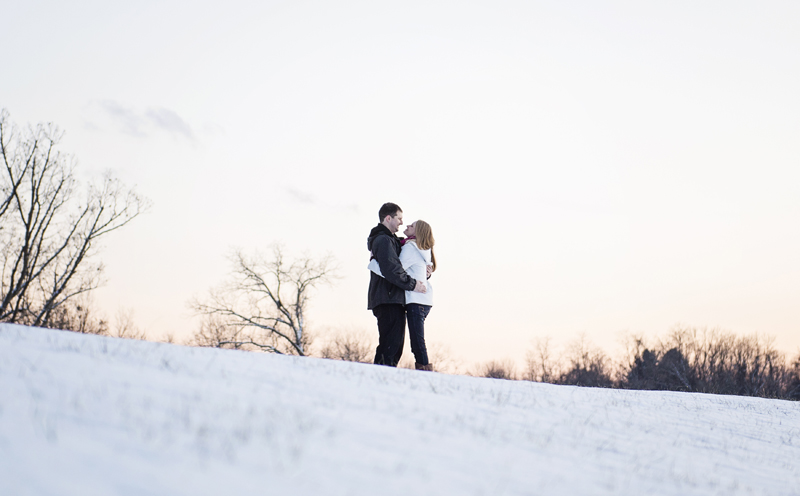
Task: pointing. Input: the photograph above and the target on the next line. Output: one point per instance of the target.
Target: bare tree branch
(49, 231)
(265, 300)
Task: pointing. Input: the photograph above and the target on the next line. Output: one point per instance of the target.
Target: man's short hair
(388, 209)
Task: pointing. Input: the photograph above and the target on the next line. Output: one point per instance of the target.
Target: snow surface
(89, 415)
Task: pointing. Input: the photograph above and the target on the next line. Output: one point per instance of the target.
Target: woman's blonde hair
(425, 241)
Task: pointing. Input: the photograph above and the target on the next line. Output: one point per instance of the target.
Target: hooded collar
(379, 230)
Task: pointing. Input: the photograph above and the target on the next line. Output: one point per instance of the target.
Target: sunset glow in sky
(587, 167)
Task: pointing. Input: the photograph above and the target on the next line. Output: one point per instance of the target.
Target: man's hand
(429, 269)
(420, 287)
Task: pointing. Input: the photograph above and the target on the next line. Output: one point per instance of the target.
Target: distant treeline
(688, 359)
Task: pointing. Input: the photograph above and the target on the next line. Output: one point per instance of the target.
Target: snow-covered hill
(88, 415)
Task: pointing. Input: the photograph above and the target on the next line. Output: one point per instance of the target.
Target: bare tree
(540, 365)
(49, 229)
(496, 369)
(350, 346)
(442, 358)
(793, 380)
(79, 315)
(587, 365)
(268, 299)
(215, 333)
(125, 326)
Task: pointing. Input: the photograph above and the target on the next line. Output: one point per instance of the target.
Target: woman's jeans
(415, 315)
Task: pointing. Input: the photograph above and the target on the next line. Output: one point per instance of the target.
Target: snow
(90, 415)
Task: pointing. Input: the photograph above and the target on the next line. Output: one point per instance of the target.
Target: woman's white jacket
(415, 262)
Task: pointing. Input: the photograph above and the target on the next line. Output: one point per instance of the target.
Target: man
(387, 294)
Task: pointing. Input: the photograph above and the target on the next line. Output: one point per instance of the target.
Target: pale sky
(587, 167)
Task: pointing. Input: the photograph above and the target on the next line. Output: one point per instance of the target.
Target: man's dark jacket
(385, 248)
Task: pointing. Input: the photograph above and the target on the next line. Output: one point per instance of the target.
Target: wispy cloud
(301, 196)
(170, 121)
(135, 123)
(310, 199)
(127, 120)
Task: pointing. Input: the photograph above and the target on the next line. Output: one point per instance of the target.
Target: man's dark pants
(391, 333)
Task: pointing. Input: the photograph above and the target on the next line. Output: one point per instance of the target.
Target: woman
(416, 255)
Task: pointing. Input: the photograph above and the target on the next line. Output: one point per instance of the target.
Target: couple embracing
(399, 286)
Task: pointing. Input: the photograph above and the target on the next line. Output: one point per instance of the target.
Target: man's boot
(428, 367)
